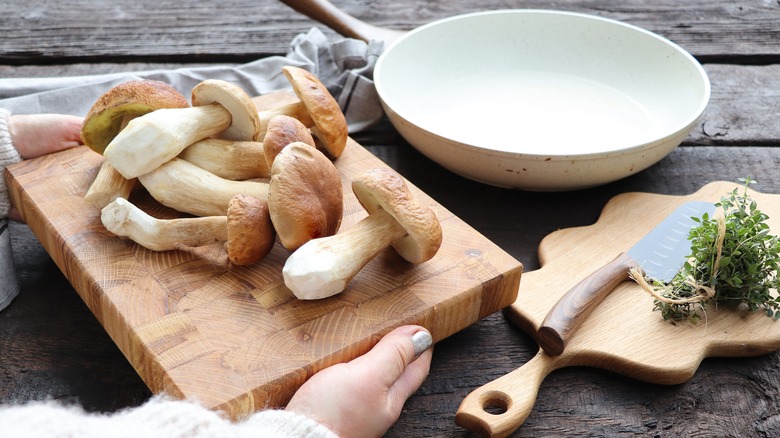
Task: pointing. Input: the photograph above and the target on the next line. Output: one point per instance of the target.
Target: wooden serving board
(236, 338)
(623, 334)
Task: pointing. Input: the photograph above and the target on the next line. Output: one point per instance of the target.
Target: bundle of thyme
(734, 260)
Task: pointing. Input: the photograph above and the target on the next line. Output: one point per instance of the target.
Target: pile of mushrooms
(221, 161)
(248, 178)
(110, 114)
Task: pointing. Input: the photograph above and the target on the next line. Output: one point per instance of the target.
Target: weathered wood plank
(45, 31)
(74, 360)
(743, 108)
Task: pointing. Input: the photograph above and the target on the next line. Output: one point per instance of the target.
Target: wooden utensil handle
(341, 22)
(333, 17)
(327, 14)
(498, 408)
(575, 306)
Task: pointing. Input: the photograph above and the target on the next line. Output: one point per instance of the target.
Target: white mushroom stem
(233, 160)
(242, 160)
(109, 183)
(107, 186)
(296, 110)
(125, 219)
(187, 188)
(154, 138)
(323, 267)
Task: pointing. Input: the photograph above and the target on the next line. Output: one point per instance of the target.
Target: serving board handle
(575, 306)
(498, 408)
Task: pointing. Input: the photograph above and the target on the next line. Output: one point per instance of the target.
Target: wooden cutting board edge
(494, 296)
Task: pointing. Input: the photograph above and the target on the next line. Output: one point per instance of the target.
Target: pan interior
(541, 82)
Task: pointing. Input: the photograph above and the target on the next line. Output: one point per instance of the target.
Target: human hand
(364, 397)
(34, 135)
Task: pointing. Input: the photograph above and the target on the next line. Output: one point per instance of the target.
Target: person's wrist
(16, 136)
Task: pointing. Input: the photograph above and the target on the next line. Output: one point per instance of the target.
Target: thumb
(401, 359)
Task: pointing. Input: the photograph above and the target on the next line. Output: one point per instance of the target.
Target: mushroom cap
(250, 233)
(245, 124)
(383, 188)
(330, 125)
(305, 195)
(133, 98)
(283, 130)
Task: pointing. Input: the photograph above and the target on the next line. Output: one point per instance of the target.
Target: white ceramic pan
(538, 99)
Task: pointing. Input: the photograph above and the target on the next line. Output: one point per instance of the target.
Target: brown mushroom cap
(283, 130)
(305, 195)
(330, 125)
(133, 98)
(250, 233)
(245, 124)
(385, 189)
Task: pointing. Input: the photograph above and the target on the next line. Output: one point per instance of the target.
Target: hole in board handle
(496, 402)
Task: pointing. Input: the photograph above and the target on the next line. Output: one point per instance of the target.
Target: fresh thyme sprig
(734, 260)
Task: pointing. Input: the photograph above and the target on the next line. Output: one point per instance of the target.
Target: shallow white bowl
(540, 100)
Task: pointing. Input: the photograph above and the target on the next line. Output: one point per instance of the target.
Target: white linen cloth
(344, 66)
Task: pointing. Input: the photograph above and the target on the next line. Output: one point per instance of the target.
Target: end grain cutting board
(623, 334)
(235, 337)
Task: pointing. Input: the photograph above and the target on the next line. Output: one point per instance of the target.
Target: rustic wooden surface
(52, 347)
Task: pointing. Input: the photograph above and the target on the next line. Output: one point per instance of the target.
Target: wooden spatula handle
(328, 14)
(575, 306)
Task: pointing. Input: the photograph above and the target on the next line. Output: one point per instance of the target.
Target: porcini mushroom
(246, 228)
(219, 109)
(187, 188)
(282, 131)
(242, 160)
(316, 108)
(116, 107)
(323, 267)
(109, 115)
(108, 185)
(305, 195)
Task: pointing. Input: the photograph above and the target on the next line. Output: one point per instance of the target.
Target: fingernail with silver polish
(422, 340)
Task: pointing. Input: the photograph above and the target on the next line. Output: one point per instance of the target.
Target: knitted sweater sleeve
(159, 417)
(8, 155)
(9, 286)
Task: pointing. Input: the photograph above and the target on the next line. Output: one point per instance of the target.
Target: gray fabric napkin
(344, 66)
(9, 281)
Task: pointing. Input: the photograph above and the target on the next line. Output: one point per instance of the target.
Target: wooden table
(52, 347)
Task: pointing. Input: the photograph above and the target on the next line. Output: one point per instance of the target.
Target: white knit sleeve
(160, 417)
(8, 155)
(288, 424)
